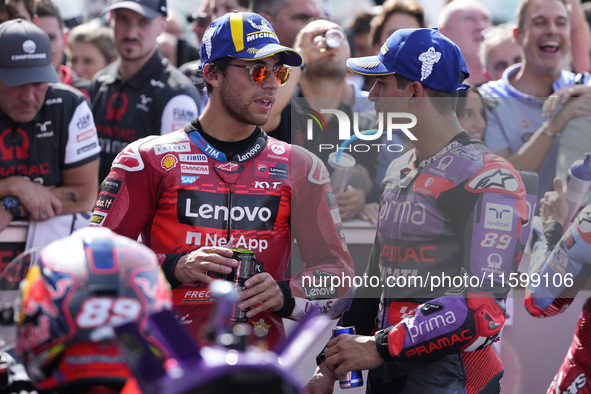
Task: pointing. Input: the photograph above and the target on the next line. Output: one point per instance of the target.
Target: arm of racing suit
(565, 262)
(325, 281)
(127, 201)
(127, 196)
(492, 235)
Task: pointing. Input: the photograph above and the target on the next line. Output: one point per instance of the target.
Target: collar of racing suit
(256, 144)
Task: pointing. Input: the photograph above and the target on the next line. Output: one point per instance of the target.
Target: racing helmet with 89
(78, 289)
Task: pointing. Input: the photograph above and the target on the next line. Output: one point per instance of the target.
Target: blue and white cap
(244, 35)
(423, 55)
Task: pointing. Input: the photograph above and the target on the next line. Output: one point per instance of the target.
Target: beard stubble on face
(132, 54)
(237, 106)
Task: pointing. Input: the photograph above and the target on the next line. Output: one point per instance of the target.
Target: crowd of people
(456, 129)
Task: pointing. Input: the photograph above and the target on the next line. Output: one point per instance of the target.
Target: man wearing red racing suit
(222, 180)
(564, 262)
(452, 225)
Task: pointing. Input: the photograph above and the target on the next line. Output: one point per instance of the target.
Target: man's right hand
(38, 200)
(194, 266)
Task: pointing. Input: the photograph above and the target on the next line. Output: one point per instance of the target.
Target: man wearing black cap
(453, 222)
(141, 93)
(222, 181)
(48, 143)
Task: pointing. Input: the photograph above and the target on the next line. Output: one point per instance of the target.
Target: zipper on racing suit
(229, 205)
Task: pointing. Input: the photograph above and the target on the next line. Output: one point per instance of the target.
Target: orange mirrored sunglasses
(260, 72)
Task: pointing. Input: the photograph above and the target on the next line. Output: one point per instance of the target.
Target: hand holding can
(353, 378)
(246, 269)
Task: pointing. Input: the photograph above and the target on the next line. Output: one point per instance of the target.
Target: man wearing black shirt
(141, 93)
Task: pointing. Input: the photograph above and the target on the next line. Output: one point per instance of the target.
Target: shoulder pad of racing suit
(499, 176)
(315, 168)
(130, 158)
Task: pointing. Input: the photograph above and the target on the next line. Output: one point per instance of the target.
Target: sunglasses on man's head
(260, 72)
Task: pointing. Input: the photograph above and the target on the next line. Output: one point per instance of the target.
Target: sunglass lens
(259, 74)
(282, 75)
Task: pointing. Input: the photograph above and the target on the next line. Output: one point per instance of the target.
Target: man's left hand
(351, 353)
(263, 290)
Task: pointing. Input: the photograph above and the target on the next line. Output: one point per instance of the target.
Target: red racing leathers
(559, 268)
(179, 193)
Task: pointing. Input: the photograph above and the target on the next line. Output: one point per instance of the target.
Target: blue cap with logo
(423, 55)
(244, 35)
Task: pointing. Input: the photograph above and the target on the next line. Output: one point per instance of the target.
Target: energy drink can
(245, 269)
(353, 378)
(340, 169)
